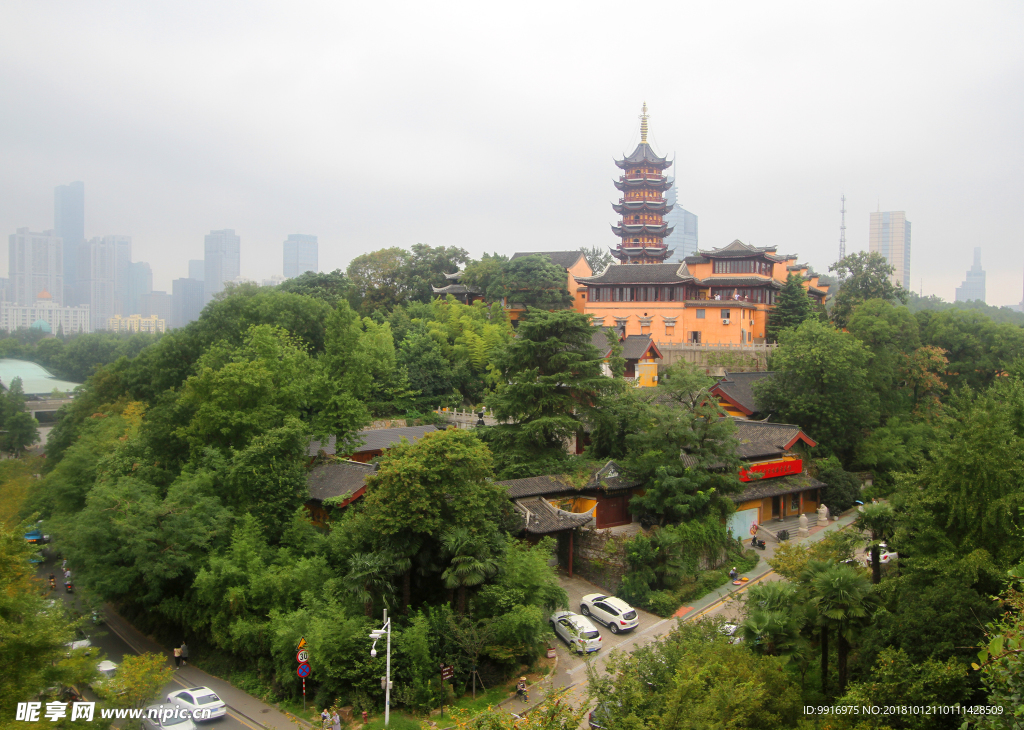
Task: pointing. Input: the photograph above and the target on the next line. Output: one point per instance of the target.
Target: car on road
(36, 537)
(198, 699)
(598, 718)
(577, 631)
(730, 630)
(162, 717)
(613, 612)
(885, 556)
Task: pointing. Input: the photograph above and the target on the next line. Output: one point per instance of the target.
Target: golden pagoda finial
(643, 125)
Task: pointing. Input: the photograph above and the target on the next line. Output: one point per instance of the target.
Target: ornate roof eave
(682, 273)
(737, 249)
(642, 204)
(661, 186)
(624, 231)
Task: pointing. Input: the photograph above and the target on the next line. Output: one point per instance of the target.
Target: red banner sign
(771, 469)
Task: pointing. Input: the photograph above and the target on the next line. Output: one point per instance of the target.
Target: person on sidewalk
(184, 654)
(521, 693)
(733, 575)
(177, 657)
(325, 718)
(336, 721)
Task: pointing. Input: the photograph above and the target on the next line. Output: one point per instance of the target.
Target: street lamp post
(377, 634)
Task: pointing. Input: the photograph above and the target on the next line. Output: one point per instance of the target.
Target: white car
(164, 717)
(613, 612)
(730, 630)
(884, 555)
(198, 701)
(577, 631)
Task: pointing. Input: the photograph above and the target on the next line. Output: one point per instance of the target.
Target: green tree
(843, 602)
(879, 521)
(471, 562)
(792, 307)
(427, 266)
(379, 279)
(531, 281)
(597, 257)
(774, 620)
(332, 288)
(22, 430)
(480, 275)
(552, 386)
(369, 576)
(137, 681)
(822, 384)
(863, 276)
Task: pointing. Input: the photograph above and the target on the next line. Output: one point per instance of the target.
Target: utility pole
(842, 230)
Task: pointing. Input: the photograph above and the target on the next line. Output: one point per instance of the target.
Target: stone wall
(600, 557)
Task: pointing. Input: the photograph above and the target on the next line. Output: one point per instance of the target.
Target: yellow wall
(744, 317)
(580, 268)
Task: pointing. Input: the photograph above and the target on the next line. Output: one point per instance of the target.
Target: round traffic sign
(303, 670)
(302, 657)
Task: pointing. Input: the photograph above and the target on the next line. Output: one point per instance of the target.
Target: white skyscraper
(683, 239)
(97, 269)
(222, 262)
(974, 285)
(35, 265)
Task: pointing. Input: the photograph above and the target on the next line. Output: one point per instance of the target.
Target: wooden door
(612, 511)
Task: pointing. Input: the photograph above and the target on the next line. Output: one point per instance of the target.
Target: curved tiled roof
(640, 274)
(540, 517)
(337, 479)
(455, 289)
(609, 478)
(761, 488)
(737, 388)
(374, 439)
(644, 154)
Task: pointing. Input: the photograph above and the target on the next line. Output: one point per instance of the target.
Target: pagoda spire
(643, 124)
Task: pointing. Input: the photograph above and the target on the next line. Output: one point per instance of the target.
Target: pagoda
(643, 183)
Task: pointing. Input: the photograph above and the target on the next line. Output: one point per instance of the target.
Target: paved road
(116, 638)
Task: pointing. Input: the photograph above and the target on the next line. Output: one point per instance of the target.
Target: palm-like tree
(471, 562)
(879, 521)
(843, 600)
(773, 622)
(369, 575)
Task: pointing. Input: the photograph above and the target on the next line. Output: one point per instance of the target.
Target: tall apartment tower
(97, 274)
(122, 268)
(187, 300)
(683, 238)
(300, 255)
(35, 265)
(890, 237)
(69, 224)
(196, 269)
(222, 262)
(140, 284)
(974, 285)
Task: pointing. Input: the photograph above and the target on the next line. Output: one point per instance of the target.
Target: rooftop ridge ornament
(643, 124)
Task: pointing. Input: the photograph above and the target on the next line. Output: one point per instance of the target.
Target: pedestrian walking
(335, 721)
(184, 654)
(64, 565)
(177, 657)
(325, 717)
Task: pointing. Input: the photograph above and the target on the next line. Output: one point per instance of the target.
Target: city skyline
(763, 153)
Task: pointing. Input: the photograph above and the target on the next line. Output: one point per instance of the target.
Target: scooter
(68, 587)
(755, 543)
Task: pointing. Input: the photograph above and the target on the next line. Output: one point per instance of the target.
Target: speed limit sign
(302, 657)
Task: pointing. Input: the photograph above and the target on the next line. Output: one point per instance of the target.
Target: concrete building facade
(69, 224)
(222, 262)
(137, 323)
(187, 301)
(300, 255)
(973, 287)
(58, 319)
(35, 264)
(96, 265)
(889, 236)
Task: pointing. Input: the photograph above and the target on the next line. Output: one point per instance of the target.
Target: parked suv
(613, 612)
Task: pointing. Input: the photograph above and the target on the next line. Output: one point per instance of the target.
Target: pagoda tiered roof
(643, 155)
(660, 184)
(627, 253)
(636, 206)
(641, 229)
(646, 274)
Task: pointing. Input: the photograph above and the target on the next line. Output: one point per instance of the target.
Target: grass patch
(664, 603)
(398, 722)
(484, 699)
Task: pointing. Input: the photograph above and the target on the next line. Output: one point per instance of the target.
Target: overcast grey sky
(493, 126)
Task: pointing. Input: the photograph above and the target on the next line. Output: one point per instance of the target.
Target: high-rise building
(974, 285)
(137, 323)
(140, 284)
(222, 262)
(69, 224)
(300, 255)
(683, 238)
(187, 300)
(35, 265)
(96, 269)
(122, 267)
(642, 229)
(196, 268)
(46, 315)
(158, 303)
(890, 237)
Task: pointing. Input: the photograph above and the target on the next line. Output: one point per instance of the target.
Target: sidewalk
(702, 605)
(248, 710)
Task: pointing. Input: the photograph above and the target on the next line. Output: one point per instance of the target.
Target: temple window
(700, 313)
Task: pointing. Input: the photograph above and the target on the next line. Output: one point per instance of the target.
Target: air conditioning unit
(726, 321)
